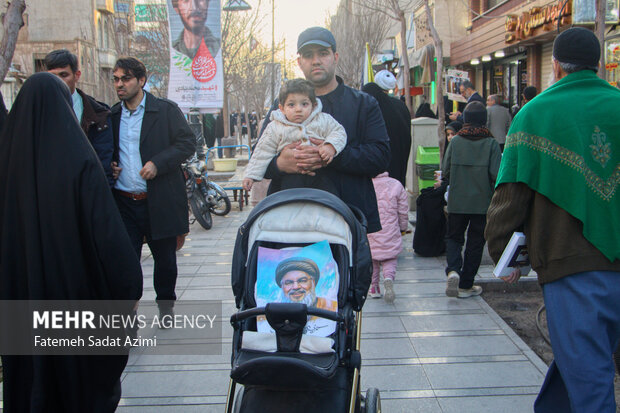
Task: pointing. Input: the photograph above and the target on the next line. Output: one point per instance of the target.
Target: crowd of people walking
(84, 186)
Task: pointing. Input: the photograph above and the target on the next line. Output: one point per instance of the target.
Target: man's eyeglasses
(123, 79)
(305, 281)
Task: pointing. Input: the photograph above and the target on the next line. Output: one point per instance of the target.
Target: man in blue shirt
(93, 116)
(367, 152)
(151, 140)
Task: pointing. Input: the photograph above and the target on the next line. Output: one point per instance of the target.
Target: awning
(423, 58)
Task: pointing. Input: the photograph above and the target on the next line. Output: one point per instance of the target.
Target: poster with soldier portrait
(196, 68)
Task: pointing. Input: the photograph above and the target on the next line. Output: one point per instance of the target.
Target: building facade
(85, 27)
(509, 43)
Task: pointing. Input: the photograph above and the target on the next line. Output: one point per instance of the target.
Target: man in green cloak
(558, 183)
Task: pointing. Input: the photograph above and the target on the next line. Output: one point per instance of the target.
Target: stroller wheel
(238, 400)
(373, 401)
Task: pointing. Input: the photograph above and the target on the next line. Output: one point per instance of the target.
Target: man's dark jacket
(475, 97)
(166, 140)
(366, 155)
(97, 126)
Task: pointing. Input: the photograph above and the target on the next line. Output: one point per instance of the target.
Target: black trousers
(135, 215)
(455, 238)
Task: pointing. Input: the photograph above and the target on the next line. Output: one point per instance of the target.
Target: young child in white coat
(298, 118)
(386, 244)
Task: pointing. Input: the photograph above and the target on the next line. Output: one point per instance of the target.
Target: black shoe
(166, 317)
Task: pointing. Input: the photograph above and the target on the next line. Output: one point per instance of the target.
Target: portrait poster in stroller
(307, 275)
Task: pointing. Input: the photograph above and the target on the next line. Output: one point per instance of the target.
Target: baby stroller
(298, 373)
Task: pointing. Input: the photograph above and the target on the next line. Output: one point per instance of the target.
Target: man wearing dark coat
(151, 140)
(61, 238)
(93, 116)
(367, 152)
(468, 92)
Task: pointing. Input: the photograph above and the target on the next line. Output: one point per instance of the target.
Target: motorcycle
(205, 197)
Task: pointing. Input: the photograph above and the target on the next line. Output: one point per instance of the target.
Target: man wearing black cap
(367, 152)
(558, 182)
(470, 167)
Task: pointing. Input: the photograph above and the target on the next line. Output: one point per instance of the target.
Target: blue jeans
(583, 315)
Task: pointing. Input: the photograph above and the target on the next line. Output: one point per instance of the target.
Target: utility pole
(599, 30)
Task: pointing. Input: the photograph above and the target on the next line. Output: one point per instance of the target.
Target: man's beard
(551, 79)
(309, 299)
(197, 29)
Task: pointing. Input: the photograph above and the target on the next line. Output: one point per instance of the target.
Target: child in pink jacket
(386, 244)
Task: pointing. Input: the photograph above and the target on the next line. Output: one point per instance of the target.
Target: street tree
(441, 116)
(395, 10)
(246, 62)
(12, 21)
(352, 29)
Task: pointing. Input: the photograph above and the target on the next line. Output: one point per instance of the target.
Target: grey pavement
(425, 353)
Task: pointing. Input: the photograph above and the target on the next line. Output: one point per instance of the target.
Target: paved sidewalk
(426, 352)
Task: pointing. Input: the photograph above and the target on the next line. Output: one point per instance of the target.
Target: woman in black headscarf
(61, 238)
(425, 111)
(398, 124)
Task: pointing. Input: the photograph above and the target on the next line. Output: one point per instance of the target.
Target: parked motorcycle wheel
(222, 202)
(200, 209)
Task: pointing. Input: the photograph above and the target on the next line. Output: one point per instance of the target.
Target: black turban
(297, 264)
(578, 46)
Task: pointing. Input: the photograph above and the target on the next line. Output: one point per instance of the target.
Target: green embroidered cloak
(565, 145)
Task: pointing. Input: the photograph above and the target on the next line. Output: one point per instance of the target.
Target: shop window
(612, 61)
(493, 3)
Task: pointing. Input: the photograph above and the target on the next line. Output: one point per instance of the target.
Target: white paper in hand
(514, 255)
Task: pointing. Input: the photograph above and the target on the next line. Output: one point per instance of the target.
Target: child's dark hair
(301, 86)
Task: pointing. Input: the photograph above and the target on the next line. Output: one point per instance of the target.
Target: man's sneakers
(453, 290)
(452, 286)
(374, 292)
(469, 292)
(389, 296)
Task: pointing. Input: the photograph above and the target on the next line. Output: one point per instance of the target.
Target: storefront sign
(523, 26)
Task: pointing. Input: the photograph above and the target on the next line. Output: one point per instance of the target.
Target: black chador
(61, 237)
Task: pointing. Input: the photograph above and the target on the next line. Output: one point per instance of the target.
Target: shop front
(509, 53)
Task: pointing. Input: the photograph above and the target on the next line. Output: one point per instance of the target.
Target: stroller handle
(311, 311)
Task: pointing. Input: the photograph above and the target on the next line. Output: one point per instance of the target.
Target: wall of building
(84, 27)
(64, 20)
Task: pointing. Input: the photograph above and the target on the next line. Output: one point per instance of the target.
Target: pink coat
(393, 206)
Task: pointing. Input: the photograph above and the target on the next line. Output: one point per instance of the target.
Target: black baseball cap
(316, 35)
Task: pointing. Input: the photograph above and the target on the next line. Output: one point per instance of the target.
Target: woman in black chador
(61, 238)
(398, 124)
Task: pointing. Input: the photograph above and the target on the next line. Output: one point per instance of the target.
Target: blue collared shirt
(78, 105)
(129, 150)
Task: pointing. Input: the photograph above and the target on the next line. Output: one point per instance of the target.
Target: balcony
(107, 58)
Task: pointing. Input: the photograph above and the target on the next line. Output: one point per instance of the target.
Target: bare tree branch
(395, 10)
(352, 31)
(12, 21)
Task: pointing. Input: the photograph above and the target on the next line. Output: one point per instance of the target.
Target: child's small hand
(327, 152)
(247, 183)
